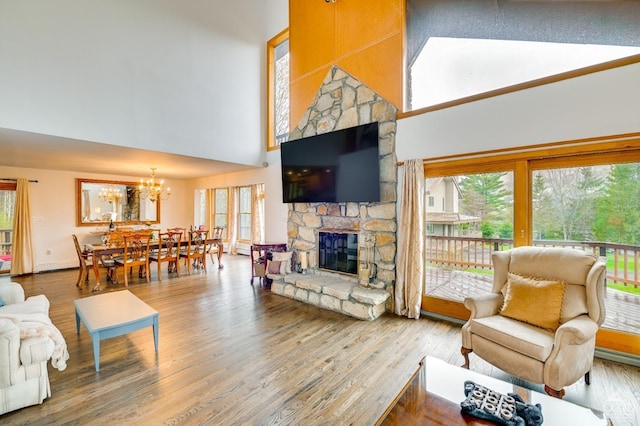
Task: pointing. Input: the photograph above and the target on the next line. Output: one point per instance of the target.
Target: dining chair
(168, 251)
(86, 263)
(116, 238)
(217, 234)
(86, 260)
(196, 253)
(136, 253)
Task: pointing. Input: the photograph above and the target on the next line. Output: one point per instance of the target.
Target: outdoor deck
(623, 309)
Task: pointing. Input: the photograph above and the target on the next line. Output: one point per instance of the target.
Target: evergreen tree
(484, 196)
(618, 214)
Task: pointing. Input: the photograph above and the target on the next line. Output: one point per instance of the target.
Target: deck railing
(461, 252)
(5, 241)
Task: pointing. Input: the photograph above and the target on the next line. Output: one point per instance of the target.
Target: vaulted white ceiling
(119, 87)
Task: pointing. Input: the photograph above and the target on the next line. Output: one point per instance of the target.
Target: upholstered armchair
(28, 340)
(540, 320)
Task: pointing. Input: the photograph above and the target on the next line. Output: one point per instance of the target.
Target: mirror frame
(80, 222)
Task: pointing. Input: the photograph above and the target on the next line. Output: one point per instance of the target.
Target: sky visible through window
(453, 68)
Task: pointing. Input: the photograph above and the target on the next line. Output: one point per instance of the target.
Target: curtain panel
(410, 267)
(257, 213)
(22, 247)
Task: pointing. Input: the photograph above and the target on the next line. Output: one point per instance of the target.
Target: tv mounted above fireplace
(340, 166)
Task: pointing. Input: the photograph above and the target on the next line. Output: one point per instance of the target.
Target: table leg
(156, 331)
(95, 338)
(77, 322)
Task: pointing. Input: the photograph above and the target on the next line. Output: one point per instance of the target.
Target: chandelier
(110, 194)
(153, 190)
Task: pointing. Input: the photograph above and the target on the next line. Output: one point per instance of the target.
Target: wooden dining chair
(196, 253)
(86, 263)
(136, 253)
(217, 234)
(168, 252)
(86, 260)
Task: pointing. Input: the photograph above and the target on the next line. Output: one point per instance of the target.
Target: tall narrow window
(7, 203)
(221, 209)
(244, 213)
(278, 90)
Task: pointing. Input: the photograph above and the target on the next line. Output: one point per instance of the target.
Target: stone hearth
(333, 293)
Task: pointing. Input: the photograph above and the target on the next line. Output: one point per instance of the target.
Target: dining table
(98, 251)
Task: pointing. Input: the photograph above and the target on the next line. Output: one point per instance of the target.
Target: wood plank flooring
(235, 354)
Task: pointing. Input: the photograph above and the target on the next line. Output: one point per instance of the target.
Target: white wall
(599, 104)
(181, 77)
(53, 212)
(276, 211)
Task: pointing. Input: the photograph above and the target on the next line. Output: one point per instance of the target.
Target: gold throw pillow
(534, 301)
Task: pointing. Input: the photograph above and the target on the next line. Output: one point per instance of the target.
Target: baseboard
(440, 317)
(621, 357)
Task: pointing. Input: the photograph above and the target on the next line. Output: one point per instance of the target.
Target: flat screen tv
(340, 166)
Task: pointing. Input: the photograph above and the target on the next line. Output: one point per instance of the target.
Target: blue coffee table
(114, 314)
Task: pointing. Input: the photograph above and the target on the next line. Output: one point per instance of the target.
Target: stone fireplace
(342, 102)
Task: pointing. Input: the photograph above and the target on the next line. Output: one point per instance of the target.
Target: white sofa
(28, 340)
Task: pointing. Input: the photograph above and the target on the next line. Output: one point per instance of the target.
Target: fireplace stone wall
(341, 102)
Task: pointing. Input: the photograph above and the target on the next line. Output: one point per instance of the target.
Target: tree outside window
(7, 203)
(221, 209)
(244, 213)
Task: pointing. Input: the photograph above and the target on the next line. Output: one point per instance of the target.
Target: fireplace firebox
(338, 251)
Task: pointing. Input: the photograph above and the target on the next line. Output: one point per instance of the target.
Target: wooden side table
(262, 249)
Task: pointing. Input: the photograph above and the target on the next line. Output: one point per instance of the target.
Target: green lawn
(626, 288)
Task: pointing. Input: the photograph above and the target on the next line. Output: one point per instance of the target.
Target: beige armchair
(540, 321)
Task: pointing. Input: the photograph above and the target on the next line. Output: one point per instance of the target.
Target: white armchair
(540, 321)
(28, 340)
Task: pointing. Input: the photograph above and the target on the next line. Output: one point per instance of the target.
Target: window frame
(8, 186)
(523, 161)
(214, 212)
(271, 88)
(240, 213)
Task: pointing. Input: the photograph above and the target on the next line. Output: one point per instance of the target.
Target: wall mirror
(98, 202)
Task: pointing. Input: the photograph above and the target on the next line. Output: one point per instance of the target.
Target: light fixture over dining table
(110, 194)
(153, 190)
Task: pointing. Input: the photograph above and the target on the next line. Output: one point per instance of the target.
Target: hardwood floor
(232, 353)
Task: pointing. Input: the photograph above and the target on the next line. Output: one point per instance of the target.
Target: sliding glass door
(586, 197)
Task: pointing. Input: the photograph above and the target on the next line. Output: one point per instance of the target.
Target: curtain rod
(15, 180)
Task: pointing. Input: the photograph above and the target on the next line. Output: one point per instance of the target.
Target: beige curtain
(232, 232)
(208, 214)
(22, 245)
(410, 267)
(257, 216)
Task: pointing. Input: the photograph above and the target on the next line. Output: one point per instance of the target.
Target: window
(584, 196)
(7, 203)
(458, 49)
(220, 211)
(278, 90)
(244, 213)
(201, 208)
